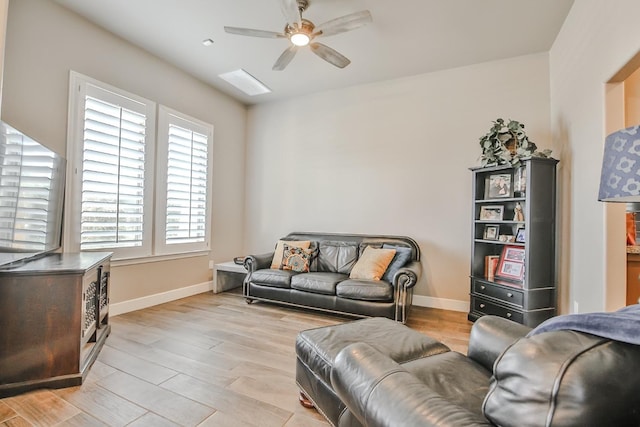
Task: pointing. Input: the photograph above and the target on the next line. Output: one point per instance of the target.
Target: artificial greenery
(507, 143)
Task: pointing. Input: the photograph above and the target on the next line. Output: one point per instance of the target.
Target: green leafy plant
(507, 143)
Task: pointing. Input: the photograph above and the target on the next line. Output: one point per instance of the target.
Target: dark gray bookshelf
(523, 290)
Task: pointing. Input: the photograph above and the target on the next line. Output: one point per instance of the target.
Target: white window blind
(26, 169)
(113, 180)
(110, 179)
(184, 175)
(186, 186)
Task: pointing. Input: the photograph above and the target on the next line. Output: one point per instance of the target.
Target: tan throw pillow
(372, 263)
(276, 262)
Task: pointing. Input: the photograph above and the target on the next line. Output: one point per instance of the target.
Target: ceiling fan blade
(285, 58)
(291, 12)
(344, 23)
(330, 55)
(253, 33)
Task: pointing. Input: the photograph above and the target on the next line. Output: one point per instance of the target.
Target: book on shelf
(490, 265)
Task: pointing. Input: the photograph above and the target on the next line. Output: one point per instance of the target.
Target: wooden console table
(54, 319)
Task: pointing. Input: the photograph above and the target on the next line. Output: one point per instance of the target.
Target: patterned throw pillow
(276, 262)
(296, 259)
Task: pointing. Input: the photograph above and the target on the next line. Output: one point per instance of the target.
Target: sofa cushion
(364, 245)
(273, 277)
(276, 262)
(402, 256)
(318, 283)
(452, 375)
(337, 257)
(565, 378)
(372, 263)
(296, 259)
(365, 290)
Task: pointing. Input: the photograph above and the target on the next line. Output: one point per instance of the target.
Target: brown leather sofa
(328, 287)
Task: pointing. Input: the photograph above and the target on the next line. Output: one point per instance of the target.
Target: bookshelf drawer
(483, 306)
(511, 296)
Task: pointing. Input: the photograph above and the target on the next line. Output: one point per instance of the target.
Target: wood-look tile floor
(205, 360)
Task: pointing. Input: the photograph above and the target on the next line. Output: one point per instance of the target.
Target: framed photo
(511, 265)
(520, 235)
(499, 186)
(513, 253)
(491, 213)
(490, 232)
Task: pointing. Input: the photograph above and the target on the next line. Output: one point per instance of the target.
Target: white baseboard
(161, 298)
(442, 303)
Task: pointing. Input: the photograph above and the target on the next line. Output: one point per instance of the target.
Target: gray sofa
(328, 287)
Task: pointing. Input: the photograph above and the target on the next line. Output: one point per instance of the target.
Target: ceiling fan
(301, 32)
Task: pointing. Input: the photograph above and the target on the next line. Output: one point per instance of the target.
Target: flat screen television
(31, 198)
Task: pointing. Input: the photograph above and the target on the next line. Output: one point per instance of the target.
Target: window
(184, 180)
(114, 179)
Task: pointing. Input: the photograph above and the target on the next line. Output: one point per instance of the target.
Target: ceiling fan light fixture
(300, 39)
(301, 32)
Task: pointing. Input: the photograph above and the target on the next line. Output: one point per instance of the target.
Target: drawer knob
(481, 305)
(508, 315)
(482, 287)
(509, 294)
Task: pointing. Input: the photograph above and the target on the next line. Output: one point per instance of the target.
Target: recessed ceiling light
(207, 42)
(245, 82)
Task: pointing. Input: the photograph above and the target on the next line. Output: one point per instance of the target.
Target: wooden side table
(228, 275)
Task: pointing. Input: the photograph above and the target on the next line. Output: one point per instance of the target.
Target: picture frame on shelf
(491, 213)
(521, 235)
(511, 265)
(499, 186)
(490, 232)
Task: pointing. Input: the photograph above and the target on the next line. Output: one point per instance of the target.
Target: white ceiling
(407, 37)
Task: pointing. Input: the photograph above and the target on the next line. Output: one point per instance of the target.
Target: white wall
(44, 41)
(596, 41)
(389, 158)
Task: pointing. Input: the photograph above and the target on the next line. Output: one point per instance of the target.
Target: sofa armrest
(408, 275)
(490, 336)
(380, 392)
(258, 262)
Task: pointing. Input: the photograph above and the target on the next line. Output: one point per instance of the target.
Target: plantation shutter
(26, 169)
(187, 170)
(113, 176)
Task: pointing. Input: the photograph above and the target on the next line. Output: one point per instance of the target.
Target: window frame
(166, 117)
(153, 248)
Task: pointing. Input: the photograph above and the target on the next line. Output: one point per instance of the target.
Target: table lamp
(620, 176)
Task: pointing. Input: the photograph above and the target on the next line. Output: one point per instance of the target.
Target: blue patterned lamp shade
(620, 177)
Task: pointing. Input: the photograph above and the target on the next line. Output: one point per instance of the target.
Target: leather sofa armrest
(258, 262)
(490, 336)
(408, 275)
(380, 392)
